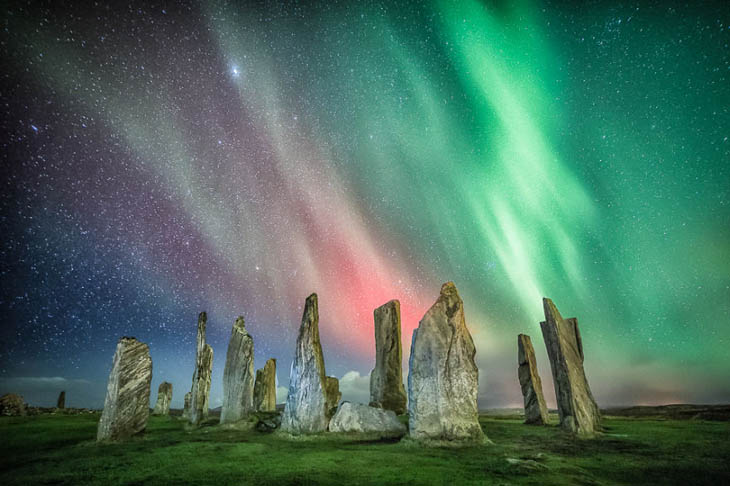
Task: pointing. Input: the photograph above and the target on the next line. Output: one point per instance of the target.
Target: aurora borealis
(160, 160)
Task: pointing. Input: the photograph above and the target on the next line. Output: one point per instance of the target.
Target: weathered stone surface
(202, 375)
(577, 408)
(268, 421)
(332, 394)
(127, 402)
(536, 411)
(61, 402)
(238, 378)
(386, 380)
(361, 418)
(443, 377)
(12, 404)
(264, 390)
(305, 411)
(186, 405)
(164, 398)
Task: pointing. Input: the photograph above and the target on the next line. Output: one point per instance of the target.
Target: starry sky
(160, 159)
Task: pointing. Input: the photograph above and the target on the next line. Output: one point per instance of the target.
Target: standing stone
(386, 380)
(238, 384)
(443, 378)
(264, 390)
(305, 411)
(577, 408)
(12, 404)
(536, 411)
(61, 402)
(332, 392)
(164, 398)
(186, 405)
(127, 403)
(201, 377)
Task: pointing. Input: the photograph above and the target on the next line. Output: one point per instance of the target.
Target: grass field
(60, 449)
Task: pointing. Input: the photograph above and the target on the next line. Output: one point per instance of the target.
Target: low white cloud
(355, 387)
(281, 392)
(41, 381)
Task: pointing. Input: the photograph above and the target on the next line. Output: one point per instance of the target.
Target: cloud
(41, 381)
(355, 387)
(281, 392)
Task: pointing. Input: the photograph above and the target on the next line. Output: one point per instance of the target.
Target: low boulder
(364, 419)
(12, 404)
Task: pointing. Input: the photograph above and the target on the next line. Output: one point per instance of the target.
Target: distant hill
(676, 412)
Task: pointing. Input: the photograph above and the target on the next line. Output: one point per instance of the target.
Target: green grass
(60, 449)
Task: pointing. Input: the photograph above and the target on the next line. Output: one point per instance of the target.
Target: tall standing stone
(306, 411)
(61, 402)
(186, 405)
(332, 394)
(164, 398)
(577, 408)
(536, 411)
(443, 378)
(238, 378)
(386, 379)
(200, 391)
(264, 390)
(127, 402)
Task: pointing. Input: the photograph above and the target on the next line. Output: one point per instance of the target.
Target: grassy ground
(60, 449)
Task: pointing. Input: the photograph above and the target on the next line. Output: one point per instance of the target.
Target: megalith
(264, 390)
(332, 394)
(238, 377)
(536, 411)
(386, 379)
(164, 398)
(305, 411)
(443, 377)
(127, 402)
(186, 405)
(577, 408)
(200, 392)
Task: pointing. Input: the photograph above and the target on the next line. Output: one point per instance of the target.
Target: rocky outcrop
(61, 402)
(386, 380)
(238, 378)
(305, 411)
(202, 375)
(164, 398)
(264, 390)
(577, 408)
(332, 394)
(186, 405)
(127, 402)
(363, 419)
(13, 405)
(536, 411)
(443, 377)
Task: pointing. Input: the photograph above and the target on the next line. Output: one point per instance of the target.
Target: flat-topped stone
(238, 377)
(386, 379)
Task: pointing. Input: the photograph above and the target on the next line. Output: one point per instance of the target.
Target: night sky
(161, 160)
